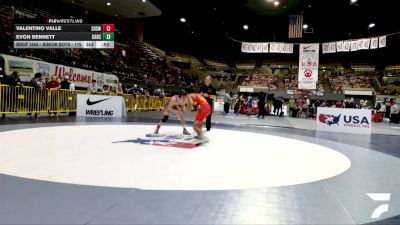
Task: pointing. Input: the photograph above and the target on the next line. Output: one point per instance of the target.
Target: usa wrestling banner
(308, 66)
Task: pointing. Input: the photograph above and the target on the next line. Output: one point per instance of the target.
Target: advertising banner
(100, 106)
(382, 41)
(248, 47)
(308, 66)
(43, 68)
(263, 47)
(374, 43)
(356, 121)
(23, 67)
(81, 78)
(340, 46)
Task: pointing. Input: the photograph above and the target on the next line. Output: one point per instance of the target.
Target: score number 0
(108, 27)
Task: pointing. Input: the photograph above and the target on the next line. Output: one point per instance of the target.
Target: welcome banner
(81, 78)
(308, 66)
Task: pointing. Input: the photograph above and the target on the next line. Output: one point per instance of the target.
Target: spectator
(394, 112)
(46, 80)
(267, 110)
(65, 84)
(275, 105)
(295, 110)
(250, 106)
(147, 94)
(378, 112)
(237, 105)
(92, 87)
(227, 101)
(313, 111)
(306, 106)
(352, 104)
(3, 76)
(120, 90)
(261, 104)
(292, 103)
(162, 94)
(318, 103)
(381, 108)
(133, 90)
(13, 80)
(37, 81)
(300, 104)
(279, 107)
(339, 104)
(106, 89)
(53, 83)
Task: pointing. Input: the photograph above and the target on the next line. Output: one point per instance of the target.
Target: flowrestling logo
(329, 119)
(177, 141)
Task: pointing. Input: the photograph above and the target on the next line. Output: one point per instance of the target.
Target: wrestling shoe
(185, 132)
(199, 137)
(157, 129)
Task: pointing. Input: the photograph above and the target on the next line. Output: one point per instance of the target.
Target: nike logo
(88, 102)
(307, 47)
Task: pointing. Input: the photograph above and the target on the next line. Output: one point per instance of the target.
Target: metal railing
(23, 100)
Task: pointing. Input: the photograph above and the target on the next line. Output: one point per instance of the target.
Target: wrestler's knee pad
(165, 119)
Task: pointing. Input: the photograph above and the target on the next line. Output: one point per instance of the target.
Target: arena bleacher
(149, 69)
(132, 61)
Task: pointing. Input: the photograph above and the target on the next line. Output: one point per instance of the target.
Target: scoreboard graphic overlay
(63, 33)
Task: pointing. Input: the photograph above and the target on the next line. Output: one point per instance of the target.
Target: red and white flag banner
(308, 66)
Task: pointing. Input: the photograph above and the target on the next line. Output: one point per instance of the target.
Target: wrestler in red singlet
(204, 108)
(203, 111)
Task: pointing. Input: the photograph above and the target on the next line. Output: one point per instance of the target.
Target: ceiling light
(353, 1)
(245, 27)
(108, 3)
(305, 26)
(143, 1)
(371, 25)
(183, 20)
(276, 3)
